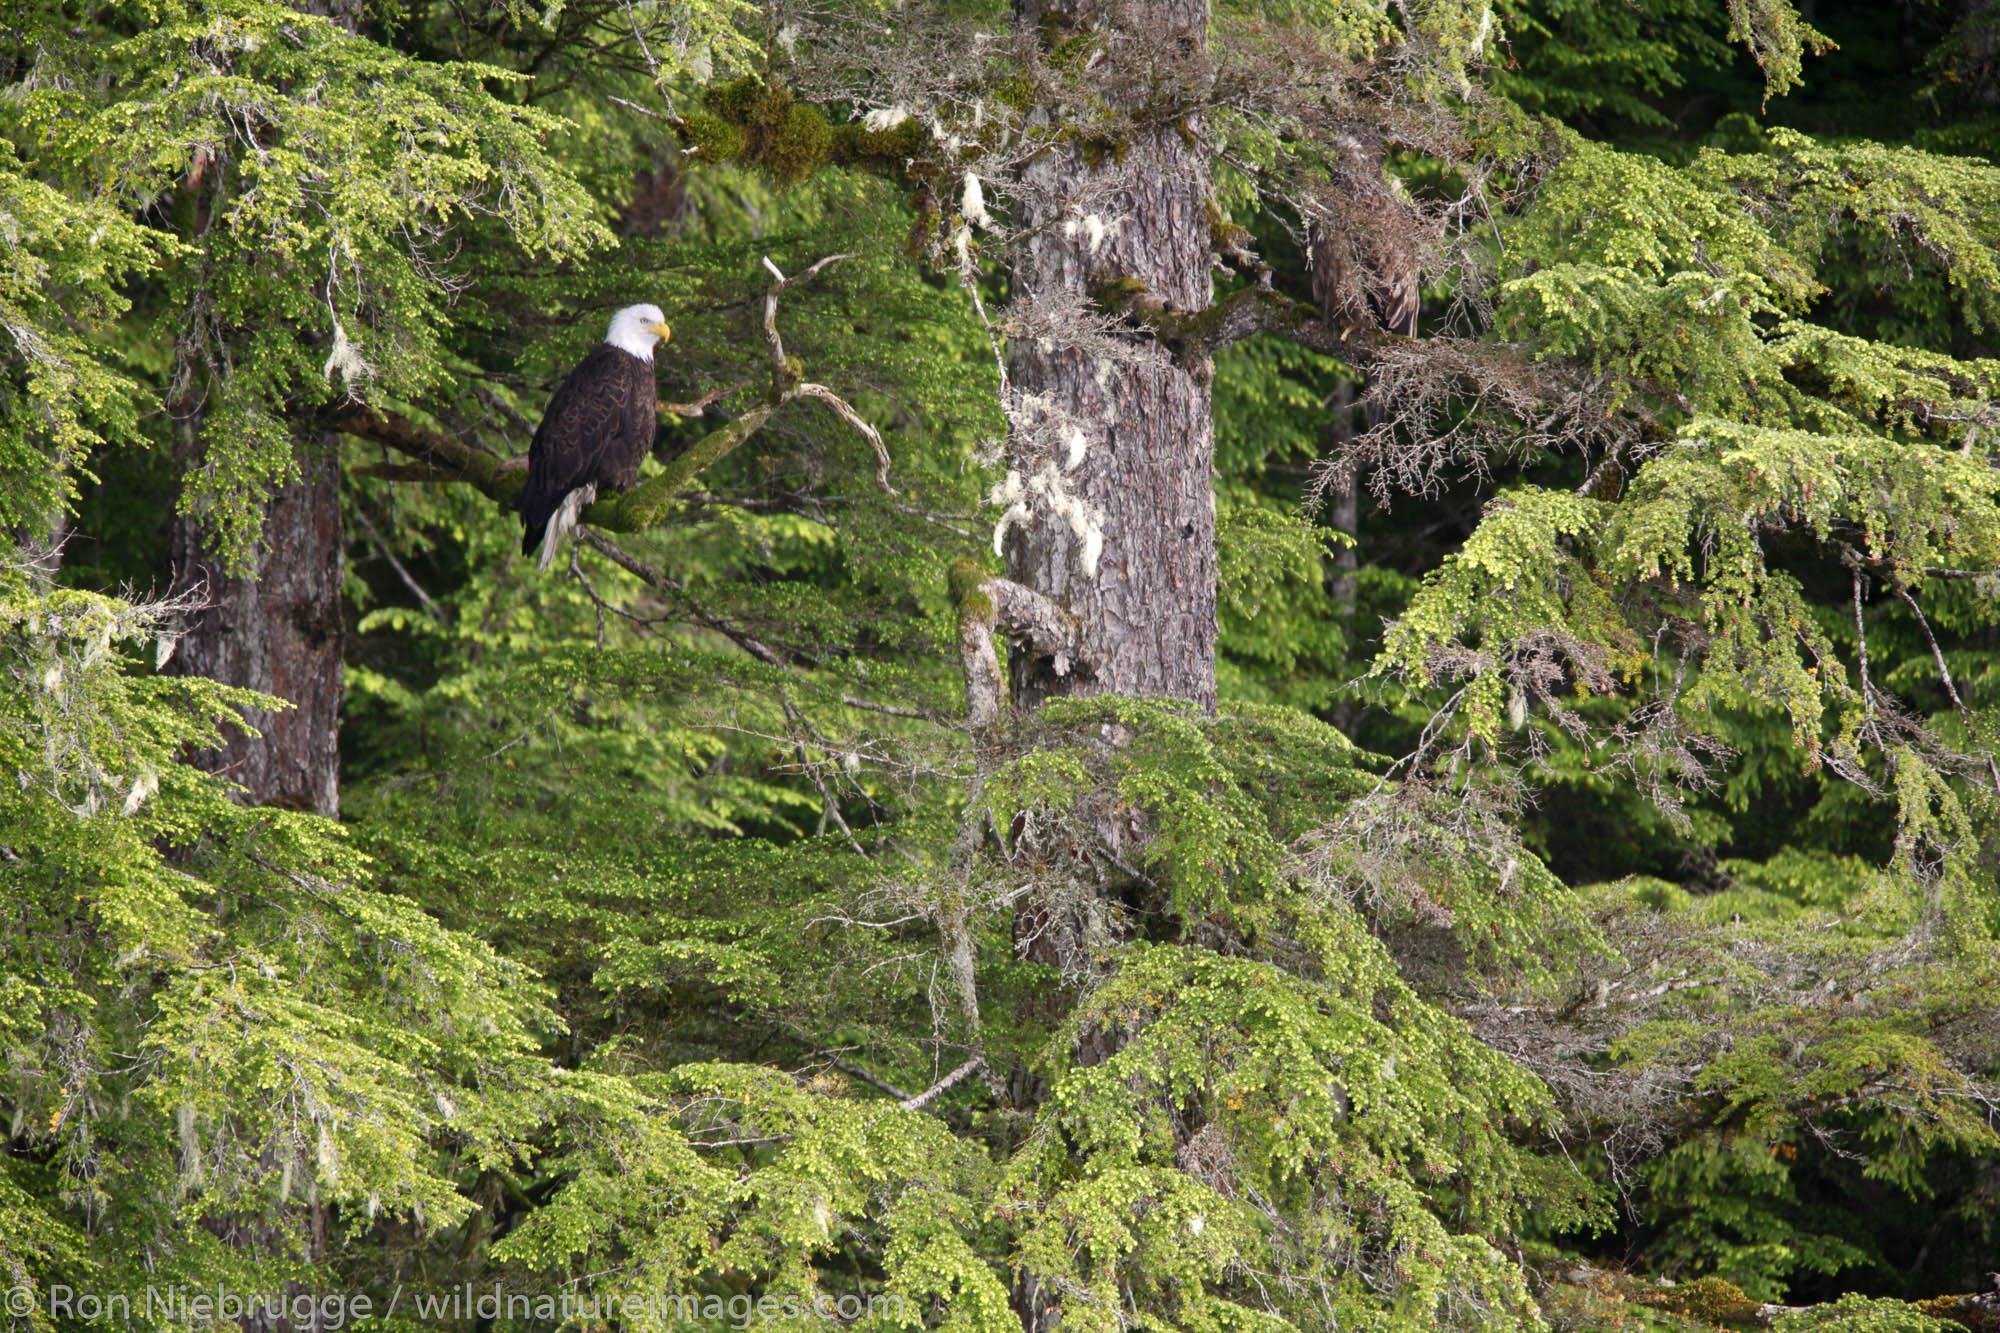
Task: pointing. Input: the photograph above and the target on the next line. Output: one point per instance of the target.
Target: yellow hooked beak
(662, 329)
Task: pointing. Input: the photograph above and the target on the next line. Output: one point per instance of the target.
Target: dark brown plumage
(1365, 268)
(599, 426)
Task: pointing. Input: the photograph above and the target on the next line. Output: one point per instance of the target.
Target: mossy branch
(650, 501)
(442, 457)
(987, 602)
(406, 472)
(1195, 335)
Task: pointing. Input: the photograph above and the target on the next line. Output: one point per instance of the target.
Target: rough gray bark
(1129, 555)
(277, 631)
(1120, 535)
(1148, 610)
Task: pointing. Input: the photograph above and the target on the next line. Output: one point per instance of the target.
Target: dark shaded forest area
(1321, 664)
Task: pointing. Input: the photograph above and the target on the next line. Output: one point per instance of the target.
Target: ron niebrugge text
(329, 1311)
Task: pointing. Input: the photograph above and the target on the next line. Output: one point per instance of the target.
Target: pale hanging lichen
(143, 787)
(346, 360)
(884, 119)
(1079, 445)
(972, 203)
(1093, 228)
(1048, 488)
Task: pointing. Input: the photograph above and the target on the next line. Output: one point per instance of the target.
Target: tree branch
(703, 403)
(454, 458)
(840, 405)
(440, 457)
(406, 472)
(872, 1080)
(431, 608)
(955, 1077)
(785, 373)
(653, 578)
(1195, 335)
(1038, 621)
(984, 685)
(1937, 653)
(828, 802)
(987, 602)
(646, 504)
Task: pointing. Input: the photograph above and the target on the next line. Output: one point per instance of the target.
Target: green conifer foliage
(672, 945)
(214, 1016)
(316, 183)
(61, 276)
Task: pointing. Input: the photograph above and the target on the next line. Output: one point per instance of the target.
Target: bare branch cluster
(1451, 409)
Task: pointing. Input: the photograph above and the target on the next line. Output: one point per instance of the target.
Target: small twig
(871, 1080)
(890, 709)
(754, 1141)
(320, 892)
(1479, 193)
(1669, 988)
(829, 804)
(644, 111)
(1944, 673)
(1937, 653)
(800, 279)
(703, 403)
(1861, 639)
(781, 371)
(576, 572)
(969, 277)
(659, 84)
(604, 546)
(436, 612)
(854, 419)
(496, 753)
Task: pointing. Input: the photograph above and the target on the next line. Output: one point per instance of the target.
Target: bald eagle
(599, 425)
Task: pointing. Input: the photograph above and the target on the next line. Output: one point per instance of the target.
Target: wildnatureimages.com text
(331, 1311)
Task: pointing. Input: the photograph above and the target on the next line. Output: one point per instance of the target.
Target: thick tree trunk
(1111, 525)
(1110, 539)
(277, 631)
(1111, 448)
(1137, 211)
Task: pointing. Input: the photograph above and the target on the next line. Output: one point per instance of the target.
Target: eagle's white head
(636, 328)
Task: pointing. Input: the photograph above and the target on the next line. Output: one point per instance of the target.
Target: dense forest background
(1523, 855)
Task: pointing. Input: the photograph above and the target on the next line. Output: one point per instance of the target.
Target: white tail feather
(563, 522)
